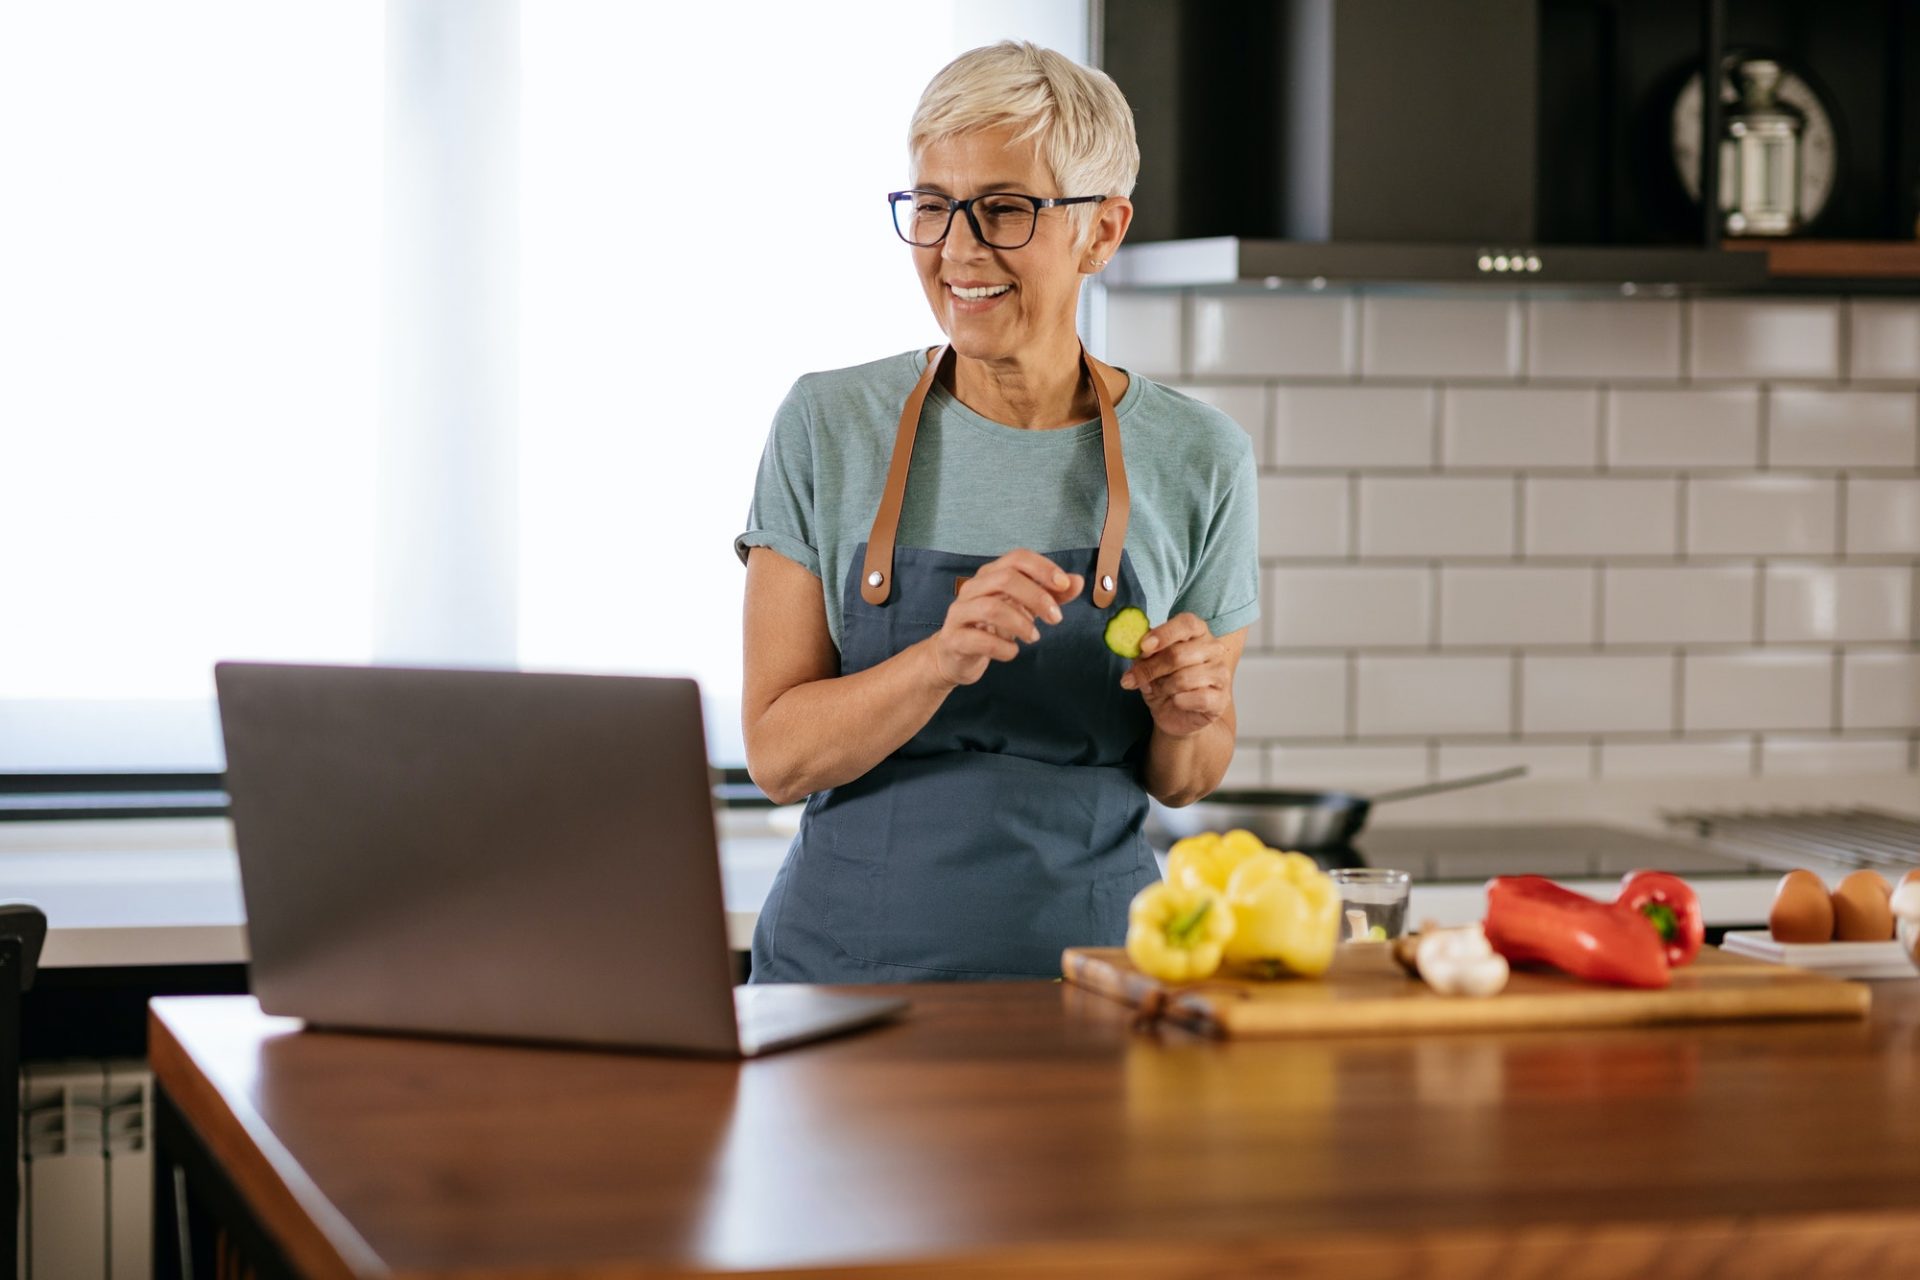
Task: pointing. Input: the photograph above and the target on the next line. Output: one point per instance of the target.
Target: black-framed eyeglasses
(1000, 219)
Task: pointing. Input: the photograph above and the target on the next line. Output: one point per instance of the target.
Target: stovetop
(1849, 839)
(1563, 851)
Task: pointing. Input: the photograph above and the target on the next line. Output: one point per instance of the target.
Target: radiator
(86, 1171)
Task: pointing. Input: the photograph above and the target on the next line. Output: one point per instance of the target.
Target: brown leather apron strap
(1113, 534)
(876, 575)
(876, 572)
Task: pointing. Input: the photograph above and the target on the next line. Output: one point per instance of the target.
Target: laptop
(498, 854)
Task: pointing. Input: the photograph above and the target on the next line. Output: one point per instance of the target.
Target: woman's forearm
(828, 732)
(1182, 770)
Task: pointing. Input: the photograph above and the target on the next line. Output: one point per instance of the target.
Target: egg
(1860, 908)
(1802, 909)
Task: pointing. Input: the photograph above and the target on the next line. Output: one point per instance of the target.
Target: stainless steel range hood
(1354, 142)
(1228, 260)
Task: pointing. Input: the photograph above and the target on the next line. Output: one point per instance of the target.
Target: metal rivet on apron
(875, 578)
(1106, 582)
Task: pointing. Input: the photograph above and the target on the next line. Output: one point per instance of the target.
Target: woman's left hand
(1186, 675)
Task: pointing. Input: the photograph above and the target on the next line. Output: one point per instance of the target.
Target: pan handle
(1451, 784)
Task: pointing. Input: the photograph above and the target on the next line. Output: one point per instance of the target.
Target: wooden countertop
(1022, 1129)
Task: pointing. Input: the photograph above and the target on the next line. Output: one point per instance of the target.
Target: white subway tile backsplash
(1764, 338)
(1683, 605)
(1601, 517)
(1705, 427)
(1761, 516)
(1444, 337)
(1345, 768)
(1815, 427)
(1516, 606)
(1285, 697)
(1883, 517)
(1519, 427)
(1272, 335)
(1722, 758)
(1758, 690)
(1880, 691)
(1302, 517)
(1143, 332)
(1247, 769)
(1787, 756)
(1432, 694)
(1885, 340)
(1603, 338)
(1340, 607)
(1558, 761)
(1854, 604)
(1596, 693)
(1412, 592)
(1421, 516)
(1353, 426)
(1245, 403)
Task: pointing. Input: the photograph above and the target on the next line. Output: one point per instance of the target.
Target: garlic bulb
(1461, 962)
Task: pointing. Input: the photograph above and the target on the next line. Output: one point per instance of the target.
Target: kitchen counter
(1022, 1129)
(167, 892)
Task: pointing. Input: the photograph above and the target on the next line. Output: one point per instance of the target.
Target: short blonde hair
(1082, 119)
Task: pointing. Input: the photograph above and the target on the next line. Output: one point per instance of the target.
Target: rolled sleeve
(782, 515)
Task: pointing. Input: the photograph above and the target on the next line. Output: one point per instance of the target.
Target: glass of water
(1373, 903)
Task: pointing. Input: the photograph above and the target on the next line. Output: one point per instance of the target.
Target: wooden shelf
(1837, 259)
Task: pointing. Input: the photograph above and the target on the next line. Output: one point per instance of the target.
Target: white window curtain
(433, 333)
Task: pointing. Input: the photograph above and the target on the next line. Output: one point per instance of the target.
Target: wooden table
(1023, 1130)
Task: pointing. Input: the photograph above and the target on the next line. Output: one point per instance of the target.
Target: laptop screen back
(494, 853)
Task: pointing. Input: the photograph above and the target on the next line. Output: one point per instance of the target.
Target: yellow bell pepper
(1176, 933)
(1207, 860)
(1286, 915)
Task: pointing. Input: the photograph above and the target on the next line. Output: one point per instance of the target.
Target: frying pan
(1299, 820)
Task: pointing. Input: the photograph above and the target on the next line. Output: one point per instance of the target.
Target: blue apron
(1009, 827)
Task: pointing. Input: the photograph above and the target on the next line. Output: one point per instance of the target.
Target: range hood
(1226, 260)
(1290, 142)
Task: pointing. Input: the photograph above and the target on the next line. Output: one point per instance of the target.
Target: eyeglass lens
(1005, 221)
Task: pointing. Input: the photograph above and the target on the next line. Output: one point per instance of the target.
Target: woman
(936, 544)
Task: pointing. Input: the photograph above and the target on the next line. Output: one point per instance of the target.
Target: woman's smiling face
(1021, 298)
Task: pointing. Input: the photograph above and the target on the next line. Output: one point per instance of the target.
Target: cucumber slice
(1125, 630)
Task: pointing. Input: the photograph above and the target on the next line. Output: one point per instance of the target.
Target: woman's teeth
(987, 291)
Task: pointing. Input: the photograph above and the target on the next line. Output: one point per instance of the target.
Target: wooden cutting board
(1365, 992)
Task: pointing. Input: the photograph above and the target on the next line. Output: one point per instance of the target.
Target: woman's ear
(1109, 229)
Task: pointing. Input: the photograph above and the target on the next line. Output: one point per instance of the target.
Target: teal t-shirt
(979, 487)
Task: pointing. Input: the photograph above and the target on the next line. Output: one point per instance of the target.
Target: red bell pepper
(1532, 920)
(1673, 907)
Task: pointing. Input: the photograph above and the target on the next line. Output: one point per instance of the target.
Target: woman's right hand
(1000, 606)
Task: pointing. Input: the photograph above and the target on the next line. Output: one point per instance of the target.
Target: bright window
(189, 361)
